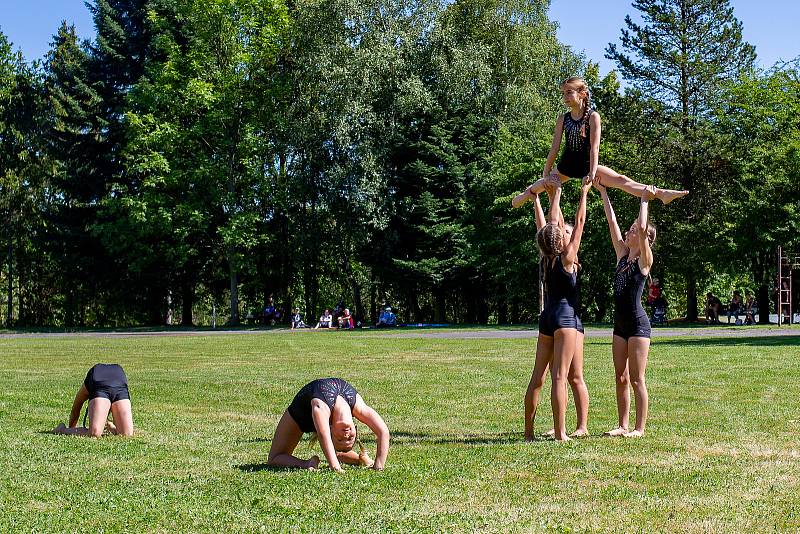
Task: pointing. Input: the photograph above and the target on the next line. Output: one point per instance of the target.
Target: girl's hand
(586, 184)
(649, 193)
(600, 187)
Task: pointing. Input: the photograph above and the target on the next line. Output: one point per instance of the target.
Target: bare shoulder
(594, 118)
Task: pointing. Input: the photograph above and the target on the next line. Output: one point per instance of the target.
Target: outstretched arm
(321, 415)
(646, 254)
(571, 252)
(80, 397)
(613, 228)
(553, 188)
(375, 422)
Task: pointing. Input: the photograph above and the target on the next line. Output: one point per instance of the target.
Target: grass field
(721, 452)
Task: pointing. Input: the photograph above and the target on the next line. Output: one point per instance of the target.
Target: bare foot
(563, 439)
(110, 427)
(312, 464)
(550, 433)
(668, 195)
(60, 428)
(365, 460)
(634, 434)
(521, 199)
(579, 433)
(617, 432)
(529, 437)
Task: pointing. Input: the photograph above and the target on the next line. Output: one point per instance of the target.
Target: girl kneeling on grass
(327, 406)
(106, 389)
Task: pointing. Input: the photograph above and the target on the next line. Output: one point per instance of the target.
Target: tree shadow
(254, 468)
(400, 437)
(769, 341)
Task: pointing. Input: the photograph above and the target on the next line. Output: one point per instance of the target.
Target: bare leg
(620, 354)
(98, 415)
(123, 417)
(544, 354)
(579, 390)
(611, 178)
(638, 350)
(563, 351)
(287, 436)
(534, 188)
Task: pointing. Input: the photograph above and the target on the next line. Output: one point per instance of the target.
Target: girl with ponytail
(581, 129)
(550, 240)
(327, 407)
(558, 323)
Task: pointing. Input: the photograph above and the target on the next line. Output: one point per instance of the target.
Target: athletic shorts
(107, 381)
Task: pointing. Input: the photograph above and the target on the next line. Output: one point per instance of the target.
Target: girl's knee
(623, 380)
(576, 380)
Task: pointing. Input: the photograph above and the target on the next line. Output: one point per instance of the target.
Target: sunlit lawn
(721, 452)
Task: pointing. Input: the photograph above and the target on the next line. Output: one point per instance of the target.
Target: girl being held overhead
(580, 127)
(327, 407)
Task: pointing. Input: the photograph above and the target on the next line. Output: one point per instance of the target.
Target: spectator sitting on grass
(326, 321)
(297, 320)
(713, 307)
(106, 389)
(346, 320)
(387, 318)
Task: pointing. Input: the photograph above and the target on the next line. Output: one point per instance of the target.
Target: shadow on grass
(761, 341)
(254, 468)
(400, 437)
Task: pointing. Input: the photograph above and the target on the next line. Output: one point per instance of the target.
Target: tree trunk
(10, 295)
(439, 311)
(234, 278)
(187, 303)
(691, 298)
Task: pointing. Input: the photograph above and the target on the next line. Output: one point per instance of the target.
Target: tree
(680, 59)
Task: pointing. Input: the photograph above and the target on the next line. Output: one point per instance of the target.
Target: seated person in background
(387, 318)
(326, 321)
(346, 320)
(735, 306)
(713, 307)
(750, 308)
(106, 389)
(297, 320)
(653, 291)
(271, 313)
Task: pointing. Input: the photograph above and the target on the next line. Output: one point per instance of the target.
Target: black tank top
(628, 288)
(576, 143)
(561, 285)
(325, 389)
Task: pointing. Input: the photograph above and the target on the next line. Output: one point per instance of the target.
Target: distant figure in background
(326, 321)
(713, 308)
(750, 308)
(106, 389)
(271, 313)
(297, 319)
(735, 307)
(387, 318)
(346, 320)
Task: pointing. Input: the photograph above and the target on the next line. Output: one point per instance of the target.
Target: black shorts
(573, 167)
(638, 326)
(107, 381)
(560, 316)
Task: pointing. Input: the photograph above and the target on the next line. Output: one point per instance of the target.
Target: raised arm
(613, 228)
(646, 253)
(80, 397)
(571, 252)
(553, 188)
(537, 205)
(375, 422)
(321, 415)
(594, 143)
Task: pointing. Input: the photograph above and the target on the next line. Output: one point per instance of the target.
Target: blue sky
(588, 26)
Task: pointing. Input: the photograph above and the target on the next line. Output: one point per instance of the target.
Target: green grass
(721, 452)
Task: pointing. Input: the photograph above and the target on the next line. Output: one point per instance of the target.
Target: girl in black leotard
(580, 127)
(558, 331)
(106, 389)
(543, 358)
(327, 407)
(631, 341)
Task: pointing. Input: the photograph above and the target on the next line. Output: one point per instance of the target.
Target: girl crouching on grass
(106, 389)
(327, 407)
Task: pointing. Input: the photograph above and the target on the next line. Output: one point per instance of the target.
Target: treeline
(200, 155)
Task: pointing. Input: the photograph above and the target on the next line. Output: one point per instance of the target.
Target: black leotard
(325, 389)
(561, 300)
(107, 380)
(574, 160)
(630, 319)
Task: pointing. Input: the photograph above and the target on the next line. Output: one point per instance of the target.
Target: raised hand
(649, 193)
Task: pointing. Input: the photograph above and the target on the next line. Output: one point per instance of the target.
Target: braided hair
(580, 85)
(551, 244)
